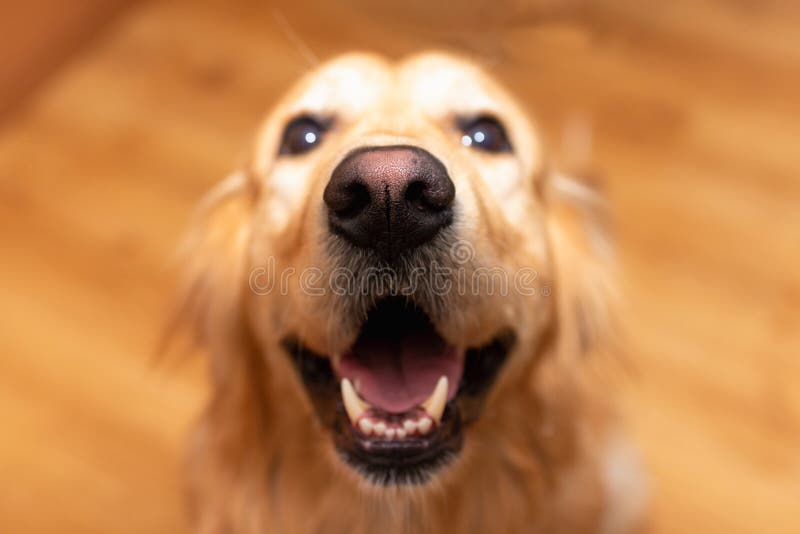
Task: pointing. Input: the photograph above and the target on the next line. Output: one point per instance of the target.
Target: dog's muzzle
(398, 398)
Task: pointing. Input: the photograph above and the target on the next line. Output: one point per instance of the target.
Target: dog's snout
(389, 199)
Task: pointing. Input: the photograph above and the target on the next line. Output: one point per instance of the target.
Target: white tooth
(434, 406)
(352, 404)
(424, 425)
(379, 428)
(390, 433)
(365, 425)
(409, 426)
(401, 433)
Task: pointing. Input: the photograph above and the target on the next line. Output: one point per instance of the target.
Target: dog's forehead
(435, 83)
(348, 84)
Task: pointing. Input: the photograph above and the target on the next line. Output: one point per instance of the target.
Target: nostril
(358, 199)
(434, 194)
(347, 200)
(415, 195)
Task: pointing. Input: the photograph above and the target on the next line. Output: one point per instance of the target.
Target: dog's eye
(485, 133)
(301, 135)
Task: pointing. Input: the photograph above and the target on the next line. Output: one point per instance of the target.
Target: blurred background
(116, 116)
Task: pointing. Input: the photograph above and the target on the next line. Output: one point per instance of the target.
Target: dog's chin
(398, 400)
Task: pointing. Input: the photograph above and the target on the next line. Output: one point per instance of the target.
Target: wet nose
(390, 199)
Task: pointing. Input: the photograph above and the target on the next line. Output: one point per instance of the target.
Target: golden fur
(536, 460)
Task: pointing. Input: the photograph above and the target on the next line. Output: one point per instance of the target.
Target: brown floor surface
(694, 108)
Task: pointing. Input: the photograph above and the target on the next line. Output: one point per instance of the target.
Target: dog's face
(395, 250)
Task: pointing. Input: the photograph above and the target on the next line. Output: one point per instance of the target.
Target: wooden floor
(696, 119)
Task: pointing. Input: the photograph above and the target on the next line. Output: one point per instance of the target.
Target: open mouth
(398, 400)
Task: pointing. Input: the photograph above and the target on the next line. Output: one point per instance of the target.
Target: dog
(398, 295)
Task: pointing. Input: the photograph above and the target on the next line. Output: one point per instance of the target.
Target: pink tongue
(398, 375)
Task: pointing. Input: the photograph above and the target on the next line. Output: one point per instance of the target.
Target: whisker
(294, 38)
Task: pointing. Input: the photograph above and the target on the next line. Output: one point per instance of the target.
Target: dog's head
(396, 257)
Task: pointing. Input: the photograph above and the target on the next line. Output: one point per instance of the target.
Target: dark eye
(485, 133)
(301, 135)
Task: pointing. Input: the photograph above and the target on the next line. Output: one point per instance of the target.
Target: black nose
(390, 199)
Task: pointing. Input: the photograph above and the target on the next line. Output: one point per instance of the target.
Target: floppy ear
(583, 262)
(214, 258)
(232, 433)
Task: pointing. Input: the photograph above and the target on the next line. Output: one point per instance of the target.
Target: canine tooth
(401, 433)
(365, 425)
(390, 432)
(379, 428)
(409, 426)
(352, 404)
(434, 406)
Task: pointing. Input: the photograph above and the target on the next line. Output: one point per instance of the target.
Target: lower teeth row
(432, 409)
(372, 427)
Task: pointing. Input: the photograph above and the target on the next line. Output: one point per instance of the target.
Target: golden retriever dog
(397, 294)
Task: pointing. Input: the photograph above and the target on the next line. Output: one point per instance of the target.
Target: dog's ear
(583, 263)
(213, 274)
